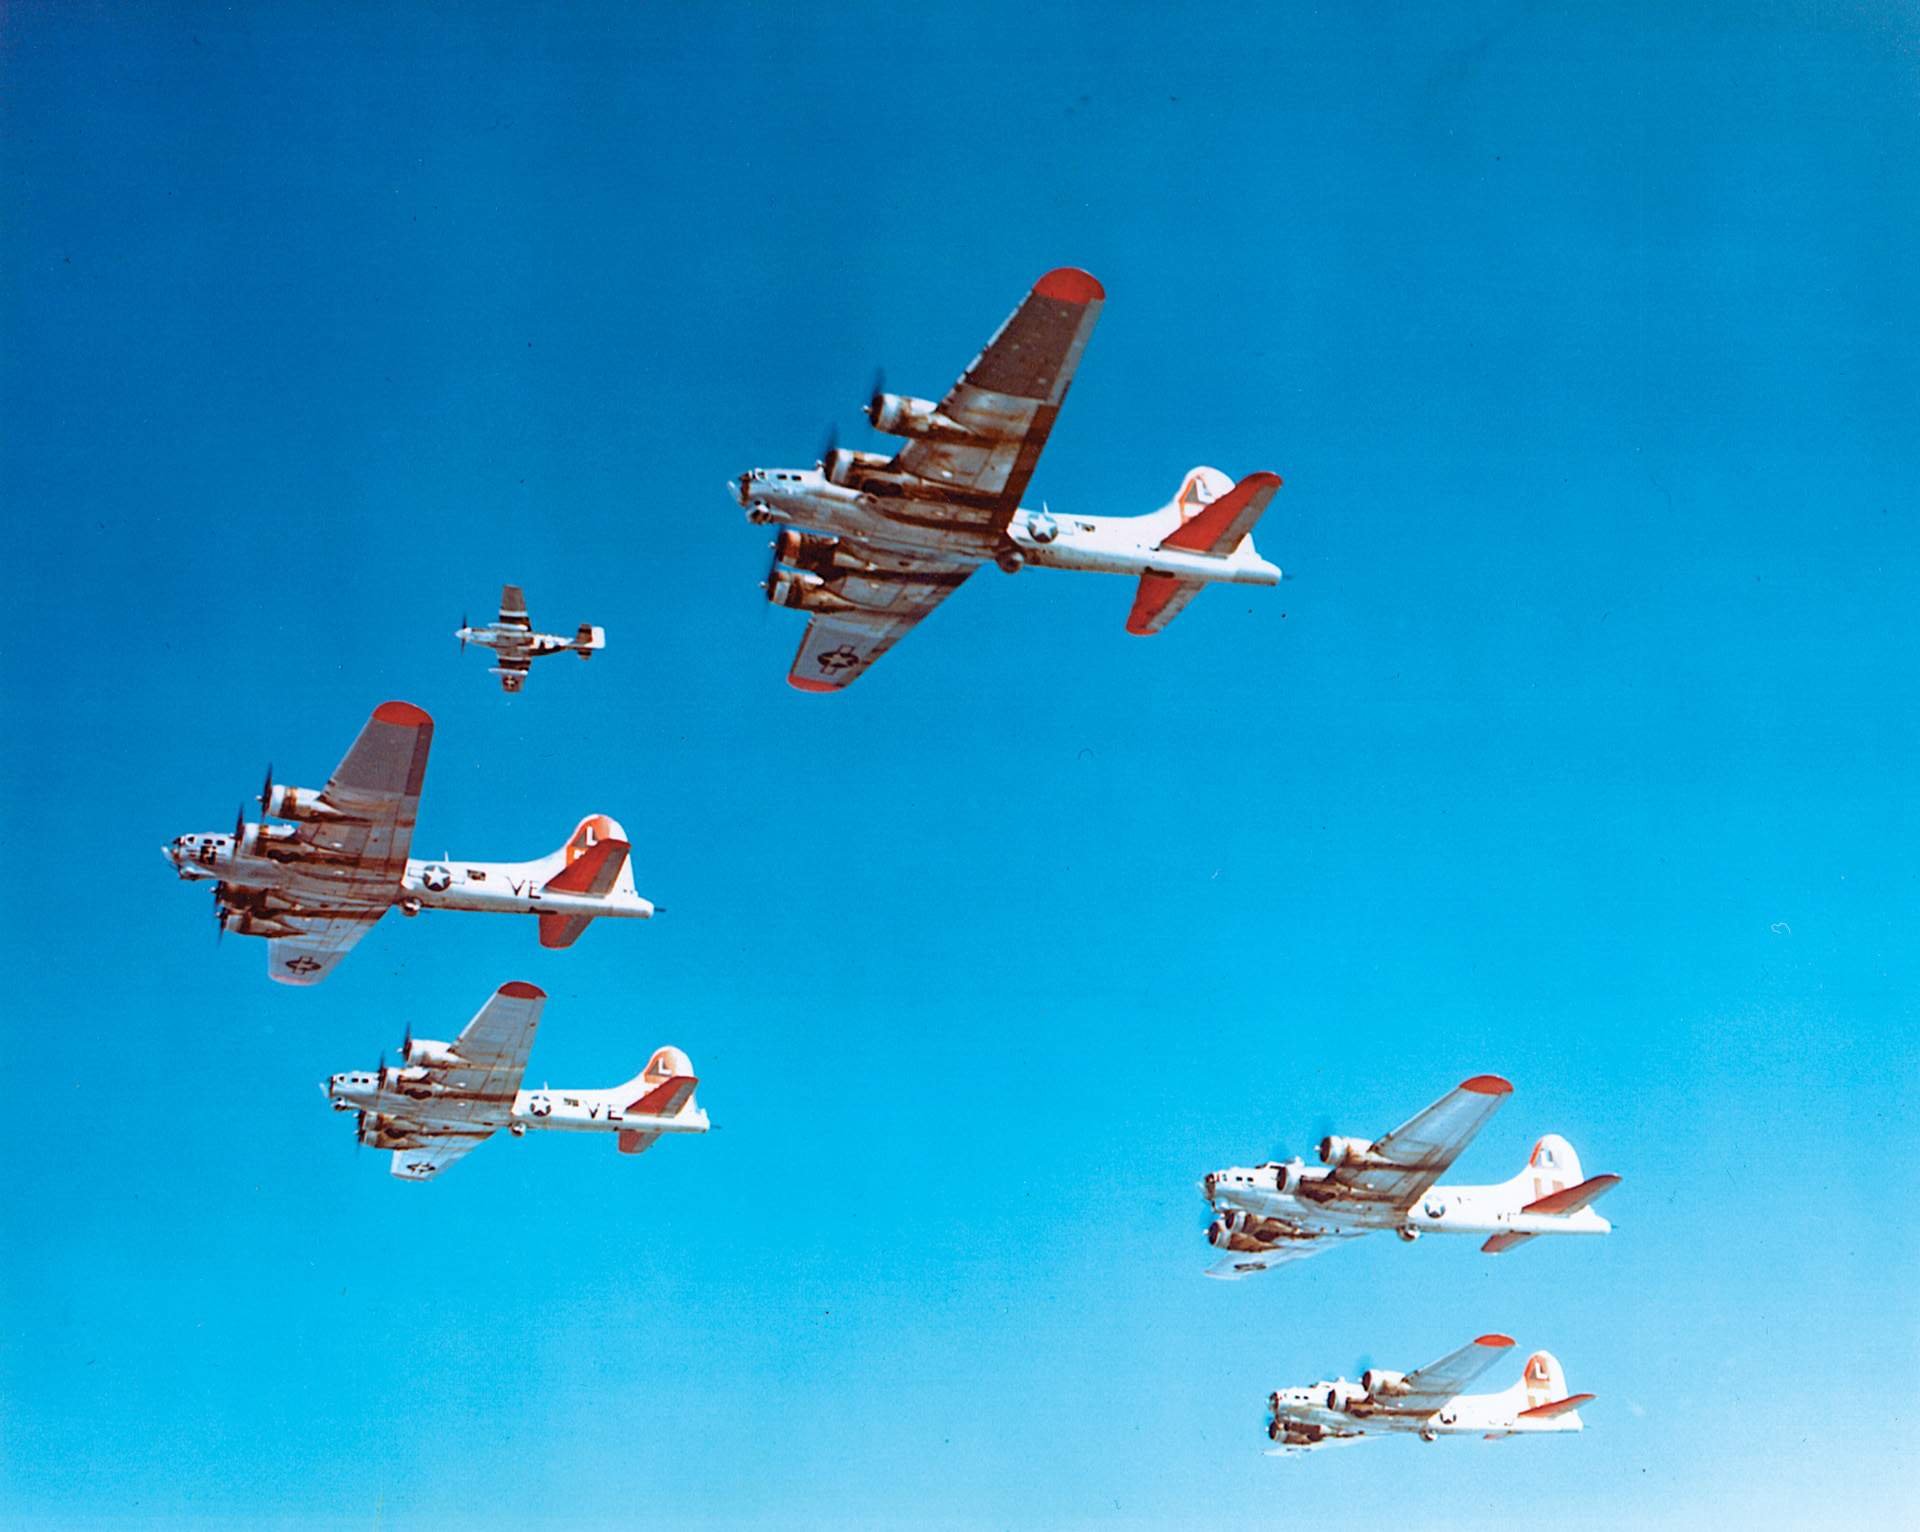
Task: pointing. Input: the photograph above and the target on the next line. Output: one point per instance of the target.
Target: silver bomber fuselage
(1122, 545)
(1443, 1210)
(308, 879)
(409, 1094)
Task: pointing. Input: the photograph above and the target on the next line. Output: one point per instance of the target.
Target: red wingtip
(520, 990)
(1261, 480)
(1487, 1085)
(401, 713)
(801, 683)
(1494, 1340)
(1069, 284)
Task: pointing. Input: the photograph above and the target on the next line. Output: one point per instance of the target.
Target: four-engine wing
(994, 422)
(1433, 1385)
(323, 941)
(886, 598)
(371, 801)
(1399, 1168)
(466, 1093)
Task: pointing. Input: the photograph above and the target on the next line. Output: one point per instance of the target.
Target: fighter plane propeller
(884, 540)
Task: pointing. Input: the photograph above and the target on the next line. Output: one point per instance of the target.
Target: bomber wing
(1244, 1263)
(463, 1101)
(1006, 402)
(323, 941)
(886, 596)
(1400, 1167)
(375, 796)
(1433, 1385)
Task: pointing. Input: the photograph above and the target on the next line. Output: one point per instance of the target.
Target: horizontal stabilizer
(664, 1099)
(1217, 528)
(1558, 1407)
(634, 1142)
(1501, 1242)
(594, 871)
(1573, 1198)
(558, 930)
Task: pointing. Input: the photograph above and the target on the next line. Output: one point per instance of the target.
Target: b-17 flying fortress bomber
(893, 537)
(1275, 1213)
(516, 646)
(1428, 1402)
(316, 886)
(445, 1099)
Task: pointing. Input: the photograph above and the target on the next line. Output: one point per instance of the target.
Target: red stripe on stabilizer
(584, 874)
(1487, 1085)
(664, 1099)
(1501, 1242)
(558, 930)
(1070, 284)
(802, 684)
(1573, 1198)
(520, 990)
(1203, 532)
(401, 713)
(1149, 601)
(1495, 1340)
(1558, 1407)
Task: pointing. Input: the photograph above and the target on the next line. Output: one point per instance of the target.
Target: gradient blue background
(1580, 748)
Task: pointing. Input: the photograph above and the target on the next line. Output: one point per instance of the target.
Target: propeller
(221, 914)
(463, 632)
(829, 446)
(874, 393)
(266, 790)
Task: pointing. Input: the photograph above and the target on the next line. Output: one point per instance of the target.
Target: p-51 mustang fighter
(516, 646)
(893, 537)
(445, 1099)
(1428, 1402)
(1276, 1213)
(315, 887)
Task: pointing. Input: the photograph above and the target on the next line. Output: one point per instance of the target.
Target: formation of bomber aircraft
(875, 543)
(870, 545)
(516, 646)
(447, 1098)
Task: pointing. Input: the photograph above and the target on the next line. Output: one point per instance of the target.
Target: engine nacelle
(1381, 1384)
(384, 1133)
(424, 1053)
(804, 591)
(845, 468)
(897, 415)
(299, 803)
(1344, 1151)
(1344, 1395)
(805, 550)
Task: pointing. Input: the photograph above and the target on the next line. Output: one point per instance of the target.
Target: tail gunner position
(889, 539)
(316, 886)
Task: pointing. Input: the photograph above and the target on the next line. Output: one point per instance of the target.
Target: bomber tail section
(663, 1089)
(594, 863)
(1208, 517)
(1550, 1186)
(1547, 1406)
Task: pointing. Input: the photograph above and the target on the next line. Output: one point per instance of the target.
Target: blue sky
(1579, 748)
